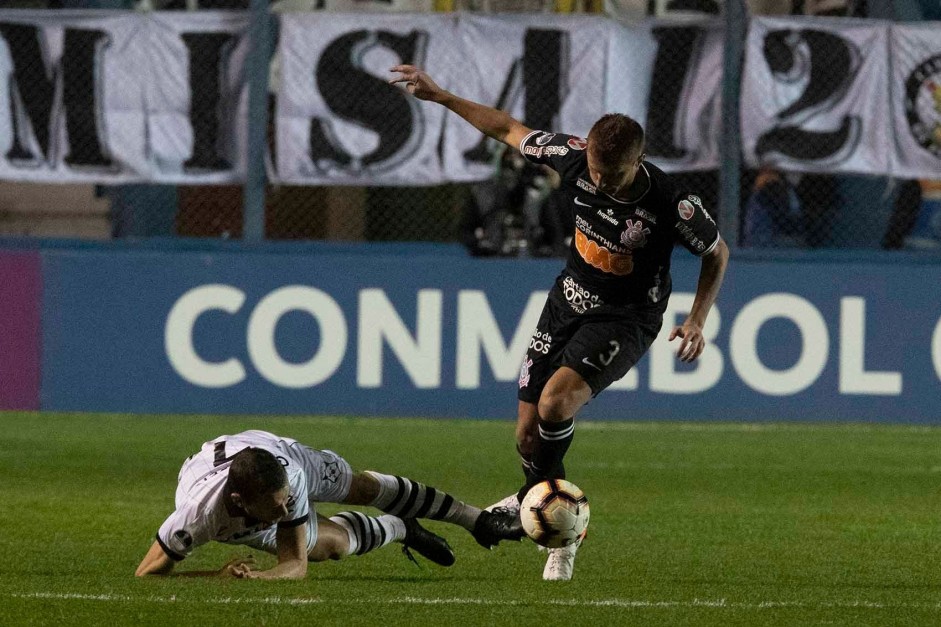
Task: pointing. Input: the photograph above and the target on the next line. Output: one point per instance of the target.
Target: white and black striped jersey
(620, 251)
(201, 514)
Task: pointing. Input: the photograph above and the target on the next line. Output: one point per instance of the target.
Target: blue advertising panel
(428, 335)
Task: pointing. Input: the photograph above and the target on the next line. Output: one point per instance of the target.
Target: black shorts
(601, 344)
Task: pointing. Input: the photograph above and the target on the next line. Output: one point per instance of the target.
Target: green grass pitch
(693, 524)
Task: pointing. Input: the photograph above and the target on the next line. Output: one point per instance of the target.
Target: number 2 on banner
(828, 64)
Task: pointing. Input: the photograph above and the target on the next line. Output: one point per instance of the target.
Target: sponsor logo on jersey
(540, 342)
(585, 185)
(538, 151)
(524, 373)
(606, 216)
(580, 203)
(690, 236)
(646, 215)
(535, 151)
(923, 104)
(635, 236)
(544, 139)
(578, 298)
(686, 209)
(577, 143)
(600, 257)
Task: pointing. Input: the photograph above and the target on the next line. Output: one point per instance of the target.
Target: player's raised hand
(693, 343)
(239, 567)
(417, 82)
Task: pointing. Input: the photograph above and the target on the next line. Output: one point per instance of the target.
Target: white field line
(457, 601)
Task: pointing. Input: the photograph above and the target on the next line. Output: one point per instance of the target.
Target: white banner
(106, 97)
(339, 123)
(815, 95)
(916, 100)
(672, 86)
(547, 71)
(115, 97)
(338, 119)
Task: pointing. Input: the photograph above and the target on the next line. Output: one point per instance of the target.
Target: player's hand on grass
(692, 344)
(417, 82)
(239, 567)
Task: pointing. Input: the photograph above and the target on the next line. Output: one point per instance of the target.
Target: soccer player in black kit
(606, 307)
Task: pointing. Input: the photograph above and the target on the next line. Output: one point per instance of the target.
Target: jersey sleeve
(181, 533)
(694, 227)
(563, 153)
(298, 501)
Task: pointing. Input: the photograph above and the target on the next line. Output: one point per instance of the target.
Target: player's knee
(364, 488)
(327, 549)
(554, 405)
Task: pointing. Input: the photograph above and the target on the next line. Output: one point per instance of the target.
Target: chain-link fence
(514, 211)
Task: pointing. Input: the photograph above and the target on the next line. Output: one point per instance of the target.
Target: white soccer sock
(367, 533)
(409, 499)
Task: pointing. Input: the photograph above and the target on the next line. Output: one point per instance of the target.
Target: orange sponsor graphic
(602, 258)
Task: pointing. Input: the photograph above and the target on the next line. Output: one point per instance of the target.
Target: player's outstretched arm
(157, 562)
(494, 123)
(711, 273)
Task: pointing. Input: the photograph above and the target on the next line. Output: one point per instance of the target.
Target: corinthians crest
(635, 236)
(923, 104)
(524, 372)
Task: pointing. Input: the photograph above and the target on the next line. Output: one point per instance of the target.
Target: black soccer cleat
(498, 524)
(426, 543)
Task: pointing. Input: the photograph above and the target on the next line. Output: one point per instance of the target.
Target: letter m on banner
(47, 87)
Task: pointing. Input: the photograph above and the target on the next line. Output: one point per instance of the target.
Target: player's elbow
(719, 255)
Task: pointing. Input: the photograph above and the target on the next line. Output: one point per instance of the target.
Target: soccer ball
(554, 513)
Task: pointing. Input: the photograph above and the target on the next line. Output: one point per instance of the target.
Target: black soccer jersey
(620, 252)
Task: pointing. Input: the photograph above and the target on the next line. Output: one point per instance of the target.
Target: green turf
(691, 524)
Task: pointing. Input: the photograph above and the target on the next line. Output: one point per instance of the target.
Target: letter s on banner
(178, 336)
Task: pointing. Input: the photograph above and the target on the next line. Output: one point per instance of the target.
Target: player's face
(269, 508)
(613, 179)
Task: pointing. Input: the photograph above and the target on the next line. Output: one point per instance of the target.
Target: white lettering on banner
(479, 338)
(477, 329)
(178, 336)
(707, 369)
(743, 345)
(936, 349)
(261, 336)
(420, 357)
(853, 376)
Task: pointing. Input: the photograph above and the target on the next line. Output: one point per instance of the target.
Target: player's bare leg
(564, 394)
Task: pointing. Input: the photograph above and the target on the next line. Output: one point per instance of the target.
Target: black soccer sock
(405, 498)
(552, 444)
(367, 533)
(526, 462)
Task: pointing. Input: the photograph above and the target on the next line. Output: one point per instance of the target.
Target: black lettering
(81, 71)
(32, 93)
(677, 47)
(829, 71)
(355, 95)
(212, 107)
(540, 75)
